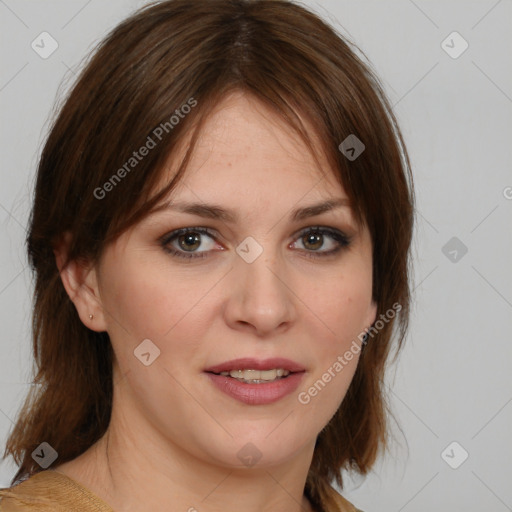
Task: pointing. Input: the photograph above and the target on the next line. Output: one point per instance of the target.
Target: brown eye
(313, 241)
(321, 241)
(190, 241)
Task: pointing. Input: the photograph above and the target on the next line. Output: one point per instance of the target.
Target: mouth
(256, 381)
(256, 371)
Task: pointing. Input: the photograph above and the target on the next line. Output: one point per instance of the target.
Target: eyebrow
(212, 211)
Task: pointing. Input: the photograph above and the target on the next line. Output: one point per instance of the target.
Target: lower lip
(257, 394)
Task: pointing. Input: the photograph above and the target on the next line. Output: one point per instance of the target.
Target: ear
(371, 315)
(80, 281)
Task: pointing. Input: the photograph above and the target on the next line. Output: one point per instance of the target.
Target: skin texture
(173, 439)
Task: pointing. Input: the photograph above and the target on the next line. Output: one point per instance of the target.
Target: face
(282, 291)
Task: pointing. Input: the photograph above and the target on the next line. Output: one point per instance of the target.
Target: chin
(259, 450)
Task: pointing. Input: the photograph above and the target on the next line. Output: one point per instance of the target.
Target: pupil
(190, 241)
(313, 240)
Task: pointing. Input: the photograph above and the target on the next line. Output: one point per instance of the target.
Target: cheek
(341, 305)
(147, 298)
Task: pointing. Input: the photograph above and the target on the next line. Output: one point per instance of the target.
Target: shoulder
(50, 491)
(31, 494)
(342, 504)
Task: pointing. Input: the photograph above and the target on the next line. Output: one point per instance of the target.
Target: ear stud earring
(91, 317)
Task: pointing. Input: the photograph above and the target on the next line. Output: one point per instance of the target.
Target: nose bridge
(260, 271)
(259, 295)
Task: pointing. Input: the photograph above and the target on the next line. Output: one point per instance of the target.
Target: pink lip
(249, 363)
(257, 394)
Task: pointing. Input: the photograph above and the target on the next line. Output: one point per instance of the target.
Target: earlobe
(79, 279)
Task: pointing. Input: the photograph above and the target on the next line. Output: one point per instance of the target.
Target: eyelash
(341, 238)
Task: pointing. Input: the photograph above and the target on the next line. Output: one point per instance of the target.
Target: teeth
(257, 376)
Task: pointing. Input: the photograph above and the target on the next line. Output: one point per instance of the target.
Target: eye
(185, 242)
(313, 239)
(199, 242)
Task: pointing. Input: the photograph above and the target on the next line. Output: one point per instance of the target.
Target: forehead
(244, 146)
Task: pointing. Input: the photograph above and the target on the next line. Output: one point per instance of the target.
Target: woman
(220, 238)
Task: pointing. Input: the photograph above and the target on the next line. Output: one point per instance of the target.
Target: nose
(260, 301)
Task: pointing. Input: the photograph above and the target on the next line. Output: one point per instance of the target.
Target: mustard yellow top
(51, 491)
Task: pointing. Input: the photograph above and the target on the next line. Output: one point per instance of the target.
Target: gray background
(453, 380)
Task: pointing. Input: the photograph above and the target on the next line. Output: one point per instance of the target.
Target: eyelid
(339, 236)
(183, 231)
(324, 229)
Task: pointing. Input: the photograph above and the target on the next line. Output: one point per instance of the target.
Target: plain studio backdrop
(446, 68)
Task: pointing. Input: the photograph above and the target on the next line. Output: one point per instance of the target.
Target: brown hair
(167, 55)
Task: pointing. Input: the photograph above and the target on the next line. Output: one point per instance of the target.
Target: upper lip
(249, 363)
